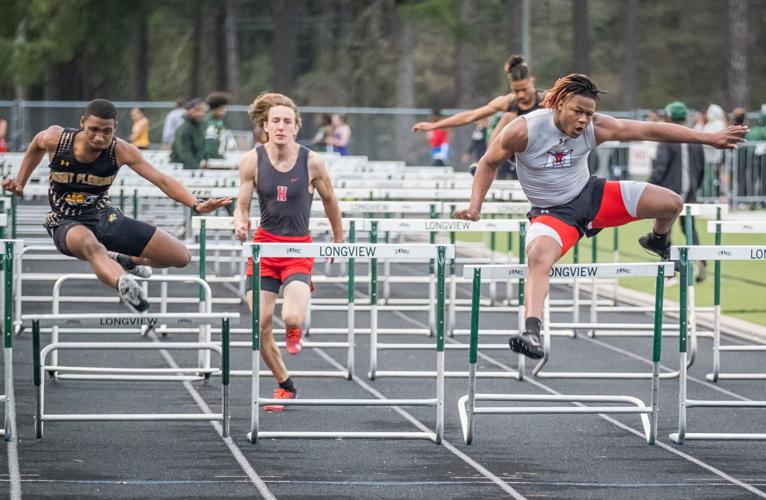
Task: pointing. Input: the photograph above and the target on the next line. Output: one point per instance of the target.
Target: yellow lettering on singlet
(94, 180)
(62, 177)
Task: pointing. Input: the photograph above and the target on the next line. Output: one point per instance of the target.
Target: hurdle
(205, 306)
(351, 251)
(467, 408)
(6, 294)
(706, 210)
(687, 255)
(739, 227)
(138, 374)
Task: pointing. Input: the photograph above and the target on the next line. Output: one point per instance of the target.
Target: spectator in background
(321, 140)
(680, 168)
(738, 116)
(715, 120)
(3, 132)
(189, 144)
(173, 120)
(438, 139)
(478, 142)
(215, 142)
(139, 132)
(758, 133)
(341, 135)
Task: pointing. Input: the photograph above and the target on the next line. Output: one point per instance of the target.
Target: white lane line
(235, 451)
(480, 468)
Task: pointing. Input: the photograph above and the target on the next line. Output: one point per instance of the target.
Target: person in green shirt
(758, 133)
(189, 144)
(215, 144)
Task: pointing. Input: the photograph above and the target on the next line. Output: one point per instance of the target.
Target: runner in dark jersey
(523, 98)
(285, 176)
(83, 165)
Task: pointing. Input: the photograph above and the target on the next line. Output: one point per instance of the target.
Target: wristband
(196, 203)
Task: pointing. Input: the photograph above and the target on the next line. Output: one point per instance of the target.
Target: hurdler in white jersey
(552, 147)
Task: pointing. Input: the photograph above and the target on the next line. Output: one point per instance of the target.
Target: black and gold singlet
(79, 190)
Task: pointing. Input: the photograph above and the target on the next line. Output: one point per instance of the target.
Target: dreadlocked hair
(574, 84)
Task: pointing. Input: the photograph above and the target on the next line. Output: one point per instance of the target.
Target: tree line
(381, 53)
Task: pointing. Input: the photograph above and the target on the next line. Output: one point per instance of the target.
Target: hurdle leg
(38, 375)
(441, 264)
(679, 436)
(656, 352)
(225, 376)
(467, 404)
(255, 359)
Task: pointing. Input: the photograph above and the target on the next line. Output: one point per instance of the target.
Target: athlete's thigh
(657, 201)
(80, 240)
(296, 298)
(165, 250)
(266, 304)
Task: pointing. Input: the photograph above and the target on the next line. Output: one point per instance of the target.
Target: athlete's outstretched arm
(608, 128)
(512, 139)
(499, 103)
(128, 154)
(323, 184)
(248, 173)
(42, 143)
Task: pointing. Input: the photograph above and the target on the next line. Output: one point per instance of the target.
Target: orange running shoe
(294, 342)
(279, 393)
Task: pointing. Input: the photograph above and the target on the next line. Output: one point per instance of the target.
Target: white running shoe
(132, 294)
(138, 271)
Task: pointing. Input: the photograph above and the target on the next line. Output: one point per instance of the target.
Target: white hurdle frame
(467, 404)
(204, 334)
(144, 374)
(687, 255)
(452, 226)
(352, 251)
(733, 227)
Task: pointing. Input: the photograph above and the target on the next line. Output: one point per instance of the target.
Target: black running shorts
(112, 229)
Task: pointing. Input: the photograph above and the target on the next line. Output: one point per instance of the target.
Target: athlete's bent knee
(539, 258)
(181, 259)
(292, 320)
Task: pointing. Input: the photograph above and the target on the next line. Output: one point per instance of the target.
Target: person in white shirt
(552, 147)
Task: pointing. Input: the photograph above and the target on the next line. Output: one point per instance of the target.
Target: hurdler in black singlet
(79, 190)
(284, 197)
(513, 107)
(79, 195)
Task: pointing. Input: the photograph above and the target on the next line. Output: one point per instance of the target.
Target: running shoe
(528, 344)
(294, 340)
(279, 393)
(127, 264)
(132, 294)
(655, 245)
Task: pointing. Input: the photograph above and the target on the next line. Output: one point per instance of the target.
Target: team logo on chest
(559, 159)
(281, 193)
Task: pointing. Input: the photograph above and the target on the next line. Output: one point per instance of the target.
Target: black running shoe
(656, 245)
(528, 344)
